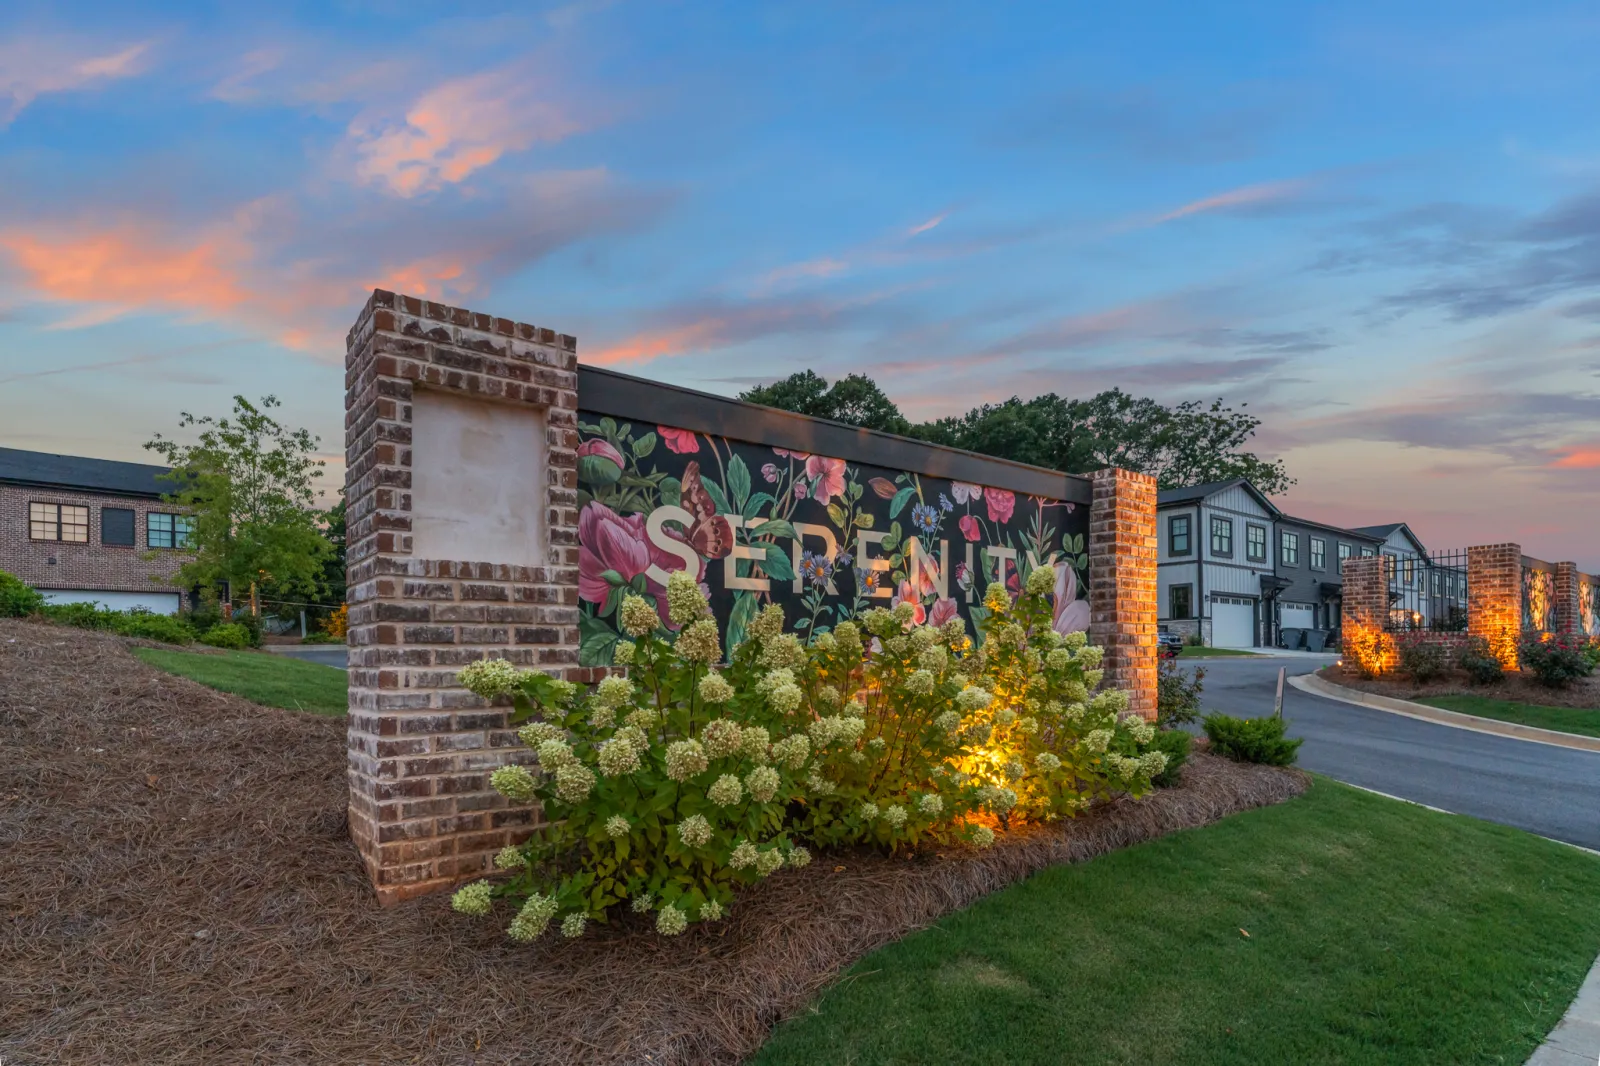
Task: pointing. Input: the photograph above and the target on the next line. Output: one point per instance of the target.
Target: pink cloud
(32, 66)
(924, 227)
(1244, 196)
(1578, 459)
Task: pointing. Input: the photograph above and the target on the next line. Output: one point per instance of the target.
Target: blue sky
(1378, 227)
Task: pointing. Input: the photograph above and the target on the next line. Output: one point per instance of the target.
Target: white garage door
(1233, 623)
(1298, 616)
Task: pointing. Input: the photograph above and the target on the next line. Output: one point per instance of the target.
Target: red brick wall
(1122, 582)
(1494, 598)
(1366, 614)
(421, 748)
(94, 565)
(1566, 591)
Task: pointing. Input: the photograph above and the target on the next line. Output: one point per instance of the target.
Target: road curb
(1576, 1038)
(1327, 689)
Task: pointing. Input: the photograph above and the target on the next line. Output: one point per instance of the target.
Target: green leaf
(671, 492)
(776, 527)
(738, 482)
(900, 500)
(597, 641)
(608, 426)
(778, 563)
(865, 520)
(753, 505)
(739, 619)
(644, 445)
(715, 492)
(836, 515)
(612, 578)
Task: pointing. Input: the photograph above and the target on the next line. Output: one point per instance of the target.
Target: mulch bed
(1584, 693)
(177, 886)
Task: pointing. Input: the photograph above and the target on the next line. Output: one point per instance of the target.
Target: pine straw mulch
(1518, 687)
(177, 886)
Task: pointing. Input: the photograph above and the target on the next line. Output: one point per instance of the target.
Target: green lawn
(1190, 651)
(1379, 933)
(1563, 719)
(273, 680)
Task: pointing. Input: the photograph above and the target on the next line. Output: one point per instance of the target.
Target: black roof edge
(1353, 534)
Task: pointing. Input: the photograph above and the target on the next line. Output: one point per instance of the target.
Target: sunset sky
(1380, 228)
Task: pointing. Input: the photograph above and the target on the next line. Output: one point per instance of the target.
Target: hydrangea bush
(670, 788)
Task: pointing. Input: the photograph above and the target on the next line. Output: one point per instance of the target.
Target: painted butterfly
(710, 534)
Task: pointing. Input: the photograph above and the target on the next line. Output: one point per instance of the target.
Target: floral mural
(1538, 600)
(1589, 605)
(824, 538)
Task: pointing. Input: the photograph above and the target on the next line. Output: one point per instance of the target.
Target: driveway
(326, 654)
(1552, 791)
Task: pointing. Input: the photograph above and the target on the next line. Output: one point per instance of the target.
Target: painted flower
(1071, 613)
(944, 504)
(827, 477)
(969, 527)
(964, 492)
(681, 441)
(801, 489)
(769, 471)
(883, 488)
(867, 581)
(609, 541)
(963, 576)
(944, 609)
(1001, 503)
(598, 462)
(906, 594)
(925, 518)
(787, 454)
(816, 569)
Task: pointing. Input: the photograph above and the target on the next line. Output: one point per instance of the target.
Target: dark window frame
(60, 523)
(1289, 547)
(1317, 552)
(1172, 607)
(1218, 522)
(176, 536)
(1173, 534)
(133, 527)
(1345, 551)
(1250, 554)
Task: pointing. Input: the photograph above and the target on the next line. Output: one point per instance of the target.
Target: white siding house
(1217, 543)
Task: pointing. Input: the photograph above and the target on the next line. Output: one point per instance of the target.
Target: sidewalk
(1576, 1040)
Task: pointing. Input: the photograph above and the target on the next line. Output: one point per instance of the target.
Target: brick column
(1122, 582)
(1365, 641)
(1566, 605)
(1494, 598)
(422, 812)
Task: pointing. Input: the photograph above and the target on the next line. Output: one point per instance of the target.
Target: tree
(333, 568)
(854, 400)
(246, 486)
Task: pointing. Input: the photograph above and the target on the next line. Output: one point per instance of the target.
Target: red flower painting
(681, 441)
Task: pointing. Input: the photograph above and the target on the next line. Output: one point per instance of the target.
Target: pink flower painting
(1001, 503)
(827, 477)
(905, 594)
(609, 541)
(1071, 613)
(969, 527)
(944, 609)
(681, 441)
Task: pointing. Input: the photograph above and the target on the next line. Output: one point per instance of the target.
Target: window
(1391, 566)
(1222, 537)
(1438, 585)
(1180, 602)
(1255, 543)
(167, 530)
(1411, 570)
(1367, 553)
(116, 527)
(58, 521)
(1344, 553)
(1319, 553)
(1290, 547)
(1178, 535)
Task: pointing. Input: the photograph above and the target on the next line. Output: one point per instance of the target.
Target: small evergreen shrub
(18, 599)
(1422, 659)
(1175, 745)
(1177, 693)
(166, 628)
(1479, 664)
(1556, 662)
(227, 635)
(1258, 740)
(81, 615)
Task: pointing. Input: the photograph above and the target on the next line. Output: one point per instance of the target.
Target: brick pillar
(1566, 606)
(1364, 628)
(1122, 582)
(1494, 598)
(422, 812)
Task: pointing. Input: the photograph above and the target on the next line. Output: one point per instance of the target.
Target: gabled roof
(1196, 493)
(76, 472)
(1382, 533)
(1353, 534)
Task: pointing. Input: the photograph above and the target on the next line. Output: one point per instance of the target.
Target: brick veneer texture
(421, 748)
(93, 566)
(1122, 582)
(1566, 593)
(1494, 598)
(1366, 612)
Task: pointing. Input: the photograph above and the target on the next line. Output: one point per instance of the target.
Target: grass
(1378, 933)
(272, 680)
(1583, 720)
(1191, 651)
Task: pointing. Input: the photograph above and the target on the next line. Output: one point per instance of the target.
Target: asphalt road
(1552, 791)
(326, 654)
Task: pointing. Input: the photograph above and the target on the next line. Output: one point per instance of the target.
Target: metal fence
(1427, 593)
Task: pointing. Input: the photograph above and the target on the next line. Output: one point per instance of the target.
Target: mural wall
(1538, 600)
(824, 538)
(1589, 604)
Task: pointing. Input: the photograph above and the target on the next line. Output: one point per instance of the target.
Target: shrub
(150, 626)
(1174, 744)
(18, 599)
(1259, 740)
(227, 635)
(251, 624)
(1556, 662)
(1368, 650)
(81, 615)
(1177, 693)
(1475, 659)
(337, 625)
(673, 787)
(1422, 658)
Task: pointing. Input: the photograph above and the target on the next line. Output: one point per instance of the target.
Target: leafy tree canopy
(1182, 444)
(247, 486)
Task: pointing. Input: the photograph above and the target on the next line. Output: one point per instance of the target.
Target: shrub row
(20, 600)
(1555, 661)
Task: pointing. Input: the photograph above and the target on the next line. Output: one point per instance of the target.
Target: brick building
(83, 530)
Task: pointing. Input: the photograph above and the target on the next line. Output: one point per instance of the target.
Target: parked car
(1168, 645)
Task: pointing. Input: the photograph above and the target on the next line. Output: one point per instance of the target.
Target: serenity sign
(824, 538)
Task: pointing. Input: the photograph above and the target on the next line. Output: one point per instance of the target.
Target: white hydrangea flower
(671, 921)
(637, 617)
(997, 799)
(1058, 659)
(634, 737)
(514, 783)
(855, 709)
(1041, 581)
(920, 683)
(474, 899)
(904, 612)
(617, 826)
(766, 625)
(643, 719)
(617, 757)
(535, 733)
(622, 652)
(826, 642)
(489, 678)
(743, 856)
(783, 651)
(828, 696)
(685, 758)
(819, 785)
(574, 782)
(722, 737)
(554, 754)
(1142, 732)
(508, 858)
(686, 600)
(895, 815)
(1075, 691)
(949, 721)
(848, 728)
(973, 698)
(1152, 763)
(934, 659)
(847, 639)
(930, 804)
(899, 647)
(1075, 640)
(878, 744)
(612, 692)
(1014, 770)
(1092, 678)
(982, 836)
(642, 904)
(997, 599)
(869, 811)
(699, 642)
(1048, 762)
(602, 717)
(785, 698)
(1029, 725)
(792, 751)
(710, 911)
(714, 688)
(754, 742)
(763, 783)
(768, 861)
(532, 919)
(1004, 716)
(726, 791)
(798, 857)
(695, 831)
(572, 925)
(1097, 740)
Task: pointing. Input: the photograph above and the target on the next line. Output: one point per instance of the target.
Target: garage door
(1233, 623)
(1298, 616)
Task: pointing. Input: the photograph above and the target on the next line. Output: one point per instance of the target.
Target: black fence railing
(1427, 592)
